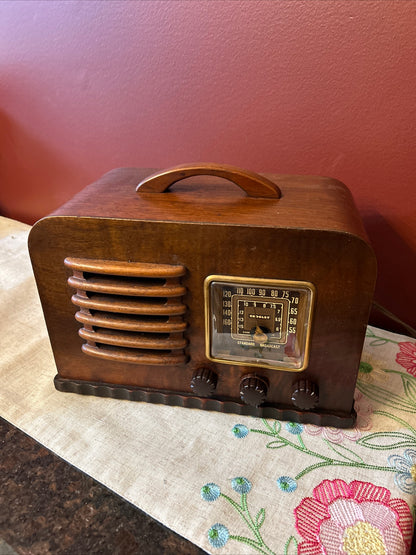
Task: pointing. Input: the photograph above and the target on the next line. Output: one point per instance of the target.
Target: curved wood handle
(253, 184)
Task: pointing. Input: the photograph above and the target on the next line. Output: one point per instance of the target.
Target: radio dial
(204, 382)
(253, 390)
(258, 322)
(305, 395)
(259, 335)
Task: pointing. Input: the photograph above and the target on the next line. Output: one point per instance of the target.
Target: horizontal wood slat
(133, 340)
(119, 268)
(114, 287)
(134, 356)
(132, 322)
(120, 304)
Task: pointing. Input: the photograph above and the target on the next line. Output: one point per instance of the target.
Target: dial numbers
(267, 314)
(258, 322)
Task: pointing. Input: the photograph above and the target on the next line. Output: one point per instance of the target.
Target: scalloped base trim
(180, 400)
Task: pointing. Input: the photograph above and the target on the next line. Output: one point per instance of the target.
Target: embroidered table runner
(228, 483)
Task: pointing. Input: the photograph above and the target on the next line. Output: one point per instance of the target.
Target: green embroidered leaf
(409, 387)
(276, 444)
(344, 452)
(277, 427)
(274, 428)
(386, 397)
(291, 546)
(400, 421)
(365, 367)
(378, 342)
(260, 516)
(387, 440)
(253, 524)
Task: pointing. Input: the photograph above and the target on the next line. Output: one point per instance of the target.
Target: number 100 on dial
(258, 322)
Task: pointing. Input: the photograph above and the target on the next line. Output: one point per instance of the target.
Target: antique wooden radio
(250, 300)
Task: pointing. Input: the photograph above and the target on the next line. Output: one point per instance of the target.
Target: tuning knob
(253, 390)
(204, 382)
(305, 395)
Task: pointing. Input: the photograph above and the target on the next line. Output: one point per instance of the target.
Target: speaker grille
(130, 311)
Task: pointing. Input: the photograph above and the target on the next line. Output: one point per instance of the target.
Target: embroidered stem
(379, 340)
(286, 442)
(301, 442)
(396, 419)
(385, 397)
(334, 462)
(237, 507)
(352, 459)
(251, 543)
(244, 512)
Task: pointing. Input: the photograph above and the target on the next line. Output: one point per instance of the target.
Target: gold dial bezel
(258, 282)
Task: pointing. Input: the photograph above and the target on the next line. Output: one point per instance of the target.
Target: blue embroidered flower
(294, 428)
(218, 535)
(287, 484)
(241, 485)
(405, 479)
(210, 492)
(240, 430)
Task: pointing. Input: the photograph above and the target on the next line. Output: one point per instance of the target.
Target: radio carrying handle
(253, 184)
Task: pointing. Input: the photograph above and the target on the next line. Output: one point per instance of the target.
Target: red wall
(305, 87)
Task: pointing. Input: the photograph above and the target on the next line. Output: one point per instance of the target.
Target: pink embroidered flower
(364, 412)
(353, 519)
(407, 357)
(336, 435)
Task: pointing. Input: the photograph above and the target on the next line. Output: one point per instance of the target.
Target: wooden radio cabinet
(248, 295)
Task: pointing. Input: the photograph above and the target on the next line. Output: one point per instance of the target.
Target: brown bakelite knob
(253, 390)
(305, 395)
(204, 382)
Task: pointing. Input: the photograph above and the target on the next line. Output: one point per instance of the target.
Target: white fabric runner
(230, 484)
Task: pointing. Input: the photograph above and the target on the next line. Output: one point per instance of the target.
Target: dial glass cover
(258, 322)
